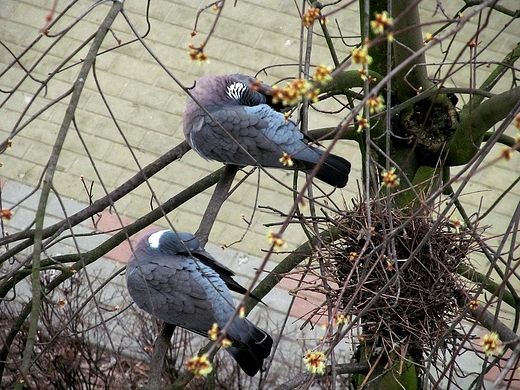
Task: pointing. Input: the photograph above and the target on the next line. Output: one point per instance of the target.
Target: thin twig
(47, 185)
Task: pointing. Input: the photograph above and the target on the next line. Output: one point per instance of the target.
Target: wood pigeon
(243, 129)
(171, 277)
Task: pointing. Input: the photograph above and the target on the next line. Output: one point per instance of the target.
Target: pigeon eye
(235, 90)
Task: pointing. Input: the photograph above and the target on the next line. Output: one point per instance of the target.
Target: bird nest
(399, 280)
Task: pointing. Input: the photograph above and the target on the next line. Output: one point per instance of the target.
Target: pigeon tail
(334, 171)
(253, 348)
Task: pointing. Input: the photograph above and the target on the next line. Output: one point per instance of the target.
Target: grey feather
(171, 277)
(231, 123)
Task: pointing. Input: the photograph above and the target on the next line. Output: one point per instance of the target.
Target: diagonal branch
(217, 200)
(472, 128)
(99, 205)
(163, 339)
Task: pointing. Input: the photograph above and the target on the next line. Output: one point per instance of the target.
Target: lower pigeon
(171, 277)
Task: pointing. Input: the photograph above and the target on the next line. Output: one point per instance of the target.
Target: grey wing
(229, 132)
(286, 135)
(223, 272)
(334, 170)
(169, 291)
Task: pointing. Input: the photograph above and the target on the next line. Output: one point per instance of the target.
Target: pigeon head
(264, 89)
(226, 89)
(170, 242)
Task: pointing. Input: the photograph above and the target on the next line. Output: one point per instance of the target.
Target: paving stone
(183, 220)
(105, 129)
(14, 192)
(131, 205)
(39, 153)
(20, 146)
(109, 174)
(111, 84)
(151, 118)
(162, 8)
(69, 185)
(188, 17)
(55, 206)
(96, 147)
(121, 109)
(120, 155)
(145, 95)
(174, 58)
(21, 219)
(174, 173)
(6, 128)
(175, 108)
(22, 170)
(134, 69)
(23, 13)
(247, 57)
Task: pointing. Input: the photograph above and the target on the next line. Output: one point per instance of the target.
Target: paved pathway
(148, 107)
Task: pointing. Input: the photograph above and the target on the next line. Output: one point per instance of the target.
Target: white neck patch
(154, 239)
(235, 90)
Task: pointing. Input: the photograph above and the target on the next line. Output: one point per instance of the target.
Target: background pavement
(148, 106)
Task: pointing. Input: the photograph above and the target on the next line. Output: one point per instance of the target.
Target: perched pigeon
(171, 277)
(242, 129)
